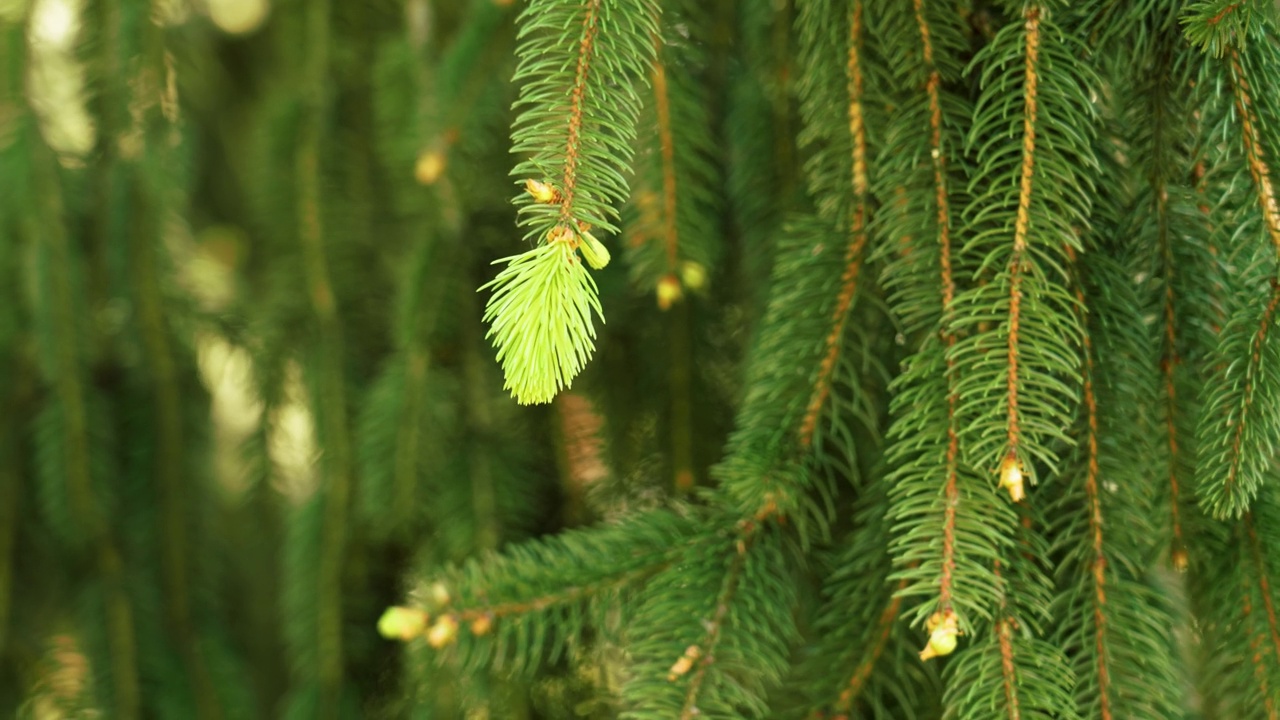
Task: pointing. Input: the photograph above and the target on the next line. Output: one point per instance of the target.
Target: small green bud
(693, 275)
(594, 251)
(443, 632)
(402, 623)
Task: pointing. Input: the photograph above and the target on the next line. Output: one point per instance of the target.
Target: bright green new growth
(541, 320)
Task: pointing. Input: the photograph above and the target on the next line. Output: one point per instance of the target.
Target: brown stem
(1022, 223)
(586, 48)
(728, 589)
(884, 628)
(1098, 565)
(1255, 359)
(1258, 168)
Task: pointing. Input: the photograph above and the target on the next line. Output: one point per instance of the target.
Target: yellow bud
(943, 630)
(941, 642)
(439, 594)
(693, 274)
(1179, 559)
(481, 625)
(1011, 478)
(430, 167)
(669, 292)
(443, 632)
(594, 251)
(401, 623)
(541, 192)
(684, 663)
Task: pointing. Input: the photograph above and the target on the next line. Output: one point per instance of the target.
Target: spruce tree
(639, 358)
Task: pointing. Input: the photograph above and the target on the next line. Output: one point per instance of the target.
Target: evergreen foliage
(941, 377)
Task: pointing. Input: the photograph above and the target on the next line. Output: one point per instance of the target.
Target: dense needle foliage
(835, 359)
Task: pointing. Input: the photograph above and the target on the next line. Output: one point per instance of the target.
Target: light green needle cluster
(540, 312)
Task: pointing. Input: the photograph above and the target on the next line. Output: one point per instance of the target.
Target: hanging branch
(1007, 672)
(1109, 619)
(941, 551)
(322, 525)
(67, 449)
(672, 225)
(1234, 603)
(1240, 424)
(1016, 249)
(580, 61)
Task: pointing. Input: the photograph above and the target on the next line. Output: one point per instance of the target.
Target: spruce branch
(789, 473)
(857, 222)
(1256, 554)
(671, 234)
(1218, 26)
(1234, 605)
(1168, 363)
(326, 527)
(1098, 564)
(712, 635)
(1112, 625)
(1242, 406)
(1178, 238)
(1251, 137)
(861, 657)
(1016, 248)
(527, 605)
(69, 456)
(932, 483)
(580, 61)
(1009, 673)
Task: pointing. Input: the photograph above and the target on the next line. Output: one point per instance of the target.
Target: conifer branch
(941, 548)
(155, 125)
(951, 490)
(881, 633)
(1251, 137)
(577, 128)
(1017, 248)
(68, 435)
(1008, 669)
(1168, 361)
(586, 46)
(1023, 221)
(1098, 563)
(334, 494)
(724, 605)
(561, 597)
(1257, 655)
(1255, 359)
(1107, 615)
(857, 229)
(667, 148)
(765, 469)
(1243, 401)
(715, 626)
(515, 602)
(680, 389)
(1264, 583)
